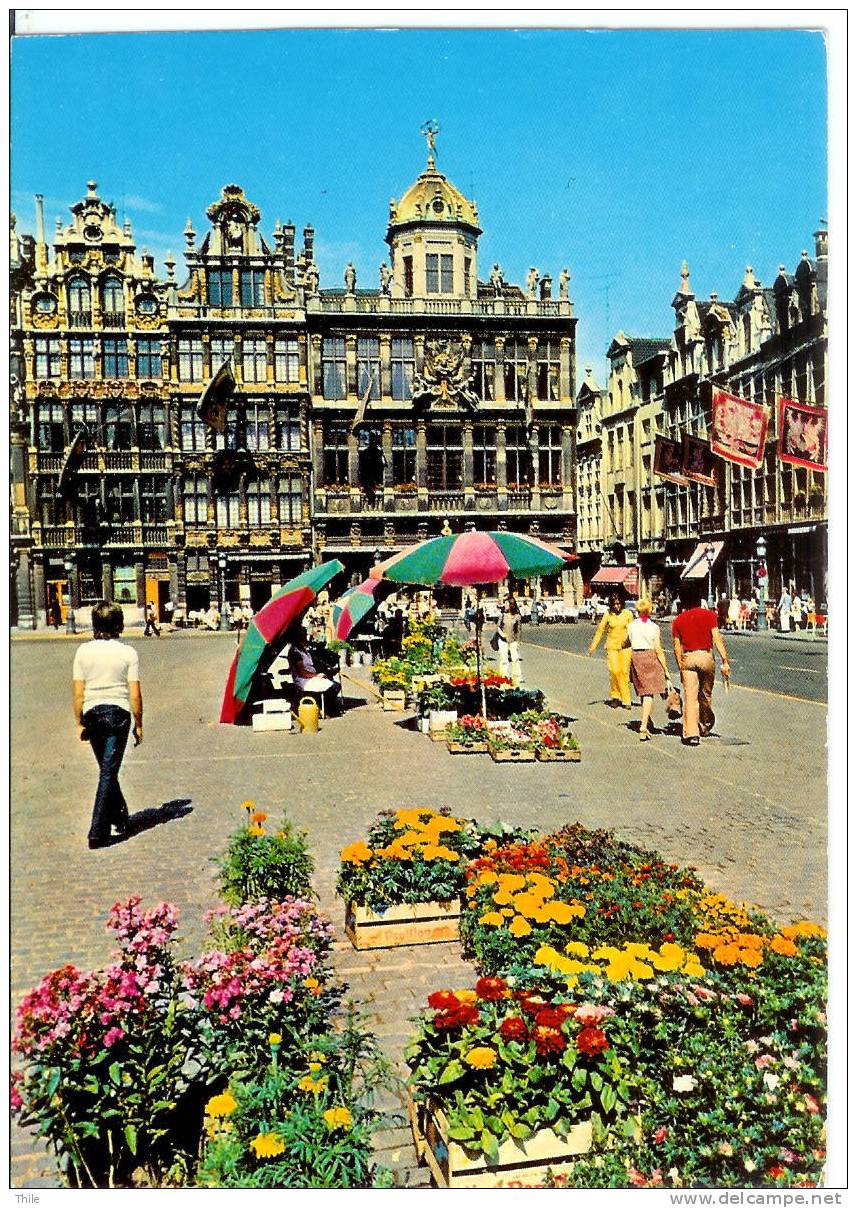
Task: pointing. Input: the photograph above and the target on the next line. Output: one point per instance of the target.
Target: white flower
(749, 1165)
(771, 1081)
(683, 1084)
(275, 996)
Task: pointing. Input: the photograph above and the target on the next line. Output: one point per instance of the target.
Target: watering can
(308, 715)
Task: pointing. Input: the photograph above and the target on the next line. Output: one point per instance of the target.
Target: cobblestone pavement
(748, 808)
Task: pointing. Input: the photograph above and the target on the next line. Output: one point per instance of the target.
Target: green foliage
(273, 865)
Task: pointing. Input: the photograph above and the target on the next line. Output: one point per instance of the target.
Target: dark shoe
(96, 843)
(690, 742)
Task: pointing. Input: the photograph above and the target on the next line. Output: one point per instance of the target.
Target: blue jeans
(107, 728)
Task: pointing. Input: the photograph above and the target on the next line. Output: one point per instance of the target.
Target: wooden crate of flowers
(564, 1081)
(393, 700)
(554, 741)
(403, 884)
(468, 736)
(509, 742)
(722, 1009)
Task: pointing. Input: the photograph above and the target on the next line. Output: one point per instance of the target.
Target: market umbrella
(471, 559)
(353, 605)
(270, 623)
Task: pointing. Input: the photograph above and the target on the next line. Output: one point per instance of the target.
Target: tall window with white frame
(152, 427)
(153, 498)
(195, 500)
(515, 370)
(483, 365)
(233, 436)
(192, 429)
(286, 359)
(333, 367)
(222, 349)
(335, 453)
(220, 287)
(79, 302)
(121, 505)
(81, 357)
(259, 502)
(404, 455)
(445, 457)
(114, 363)
(149, 358)
(50, 429)
(258, 424)
(518, 458)
(289, 425)
(112, 302)
(547, 371)
(368, 367)
(228, 509)
(402, 368)
(190, 359)
(47, 350)
(484, 455)
(119, 426)
(550, 455)
(290, 499)
(438, 273)
(254, 361)
(252, 285)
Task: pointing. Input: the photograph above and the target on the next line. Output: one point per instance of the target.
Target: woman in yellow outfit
(615, 624)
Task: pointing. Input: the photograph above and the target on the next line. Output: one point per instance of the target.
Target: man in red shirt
(695, 633)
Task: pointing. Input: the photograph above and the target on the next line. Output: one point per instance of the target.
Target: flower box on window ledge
(406, 497)
(338, 499)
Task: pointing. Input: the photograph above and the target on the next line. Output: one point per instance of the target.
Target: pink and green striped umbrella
(270, 623)
(353, 605)
(468, 559)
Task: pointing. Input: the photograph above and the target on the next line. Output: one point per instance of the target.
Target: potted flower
(467, 736)
(509, 742)
(436, 704)
(554, 741)
(508, 1081)
(343, 649)
(402, 884)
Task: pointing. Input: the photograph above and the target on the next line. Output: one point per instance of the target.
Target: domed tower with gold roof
(433, 235)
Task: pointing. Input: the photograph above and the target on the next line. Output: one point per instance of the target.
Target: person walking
(648, 662)
(151, 622)
(695, 636)
(509, 636)
(733, 612)
(615, 624)
(784, 610)
(107, 699)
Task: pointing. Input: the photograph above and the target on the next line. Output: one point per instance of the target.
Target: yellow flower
(519, 927)
(410, 837)
(267, 1145)
(564, 912)
(783, 946)
(274, 1039)
(338, 1117)
(466, 996)
(255, 830)
(316, 1056)
(313, 985)
(356, 853)
(803, 930)
(575, 948)
(493, 918)
(314, 1085)
(249, 806)
(221, 1105)
(693, 968)
(670, 958)
(481, 1058)
(486, 878)
(406, 819)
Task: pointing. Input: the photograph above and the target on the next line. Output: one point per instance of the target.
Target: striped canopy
(270, 623)
(353, 605)
(471, 558)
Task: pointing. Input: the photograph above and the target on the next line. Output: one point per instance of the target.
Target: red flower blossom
(635, 1178)
(514, 1027)
(450, 1021)
(531, 1004)
(776, 1171)
(443, 1000)
(548, 1040)
(591, 1041)
(659, 1135)
(550, 1017)
(491, 989)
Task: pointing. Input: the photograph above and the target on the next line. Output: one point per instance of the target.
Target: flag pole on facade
(360, 416)
(211, 407)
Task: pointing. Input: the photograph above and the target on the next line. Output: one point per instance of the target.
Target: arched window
(112, 302)
(79, 302)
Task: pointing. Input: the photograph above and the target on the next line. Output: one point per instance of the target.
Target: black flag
(71, 464)
(211, 408)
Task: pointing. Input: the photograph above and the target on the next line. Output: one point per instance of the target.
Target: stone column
(419, 353)
(387, 450)
(566, 369)
(501, 462)
(23, 591)
(532, 367)
(314, 370)
(318, 451)
(468, 457)
(353, 460)
(107, 579)
(179, 588)
(499, 376)
(385, 341)
(351, 368)
(421, 453)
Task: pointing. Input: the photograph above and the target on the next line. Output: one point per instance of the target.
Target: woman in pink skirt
(649, 673)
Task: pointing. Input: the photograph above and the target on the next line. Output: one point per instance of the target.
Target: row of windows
(82, 352)
(445, 454)
(143, 426)
(250, 292)
(483, 363)
(122, 500)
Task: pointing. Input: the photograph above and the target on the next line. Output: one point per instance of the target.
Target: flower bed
(236, 1068)
(721, 1011)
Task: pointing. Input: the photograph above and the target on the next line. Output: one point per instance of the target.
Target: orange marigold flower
(481, 1058)
(751, 957)
(750, 941)
(255, 830)
(356, 853)
(519, 927)
(704, 940)
(258, 816)
(802, 930)
(727, 954)
(783, 946)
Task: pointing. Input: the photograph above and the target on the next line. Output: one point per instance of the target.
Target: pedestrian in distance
(695, 637)
(509, 640)
(784, 610)
(107, 702)
(648, 662)
(151, 622)
(613, 627)
(469, 613)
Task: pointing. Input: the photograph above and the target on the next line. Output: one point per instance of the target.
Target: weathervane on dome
(430, 131)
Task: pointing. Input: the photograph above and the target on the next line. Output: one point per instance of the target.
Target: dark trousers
(107, 728)
(151, 624)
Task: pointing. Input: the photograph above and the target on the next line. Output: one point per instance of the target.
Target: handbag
(673, 702)
(495, 640)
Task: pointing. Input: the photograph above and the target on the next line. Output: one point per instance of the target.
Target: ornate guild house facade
(362, 419)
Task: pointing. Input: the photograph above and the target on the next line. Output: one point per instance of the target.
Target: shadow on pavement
(147, 819)
(352, 702)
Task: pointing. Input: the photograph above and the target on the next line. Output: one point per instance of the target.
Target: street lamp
(69, 616)
(762, 577)
(709, 558)
(224, 616)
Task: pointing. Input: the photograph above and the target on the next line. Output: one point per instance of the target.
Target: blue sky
(615, 153)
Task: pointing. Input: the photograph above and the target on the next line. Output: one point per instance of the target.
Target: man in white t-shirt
(106, 697)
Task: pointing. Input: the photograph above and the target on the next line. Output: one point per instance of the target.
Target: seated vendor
(307, 676)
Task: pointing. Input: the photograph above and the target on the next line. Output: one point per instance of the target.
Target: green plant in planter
(302, 1122)
(265, 864)
(338, 646)
(435, 697)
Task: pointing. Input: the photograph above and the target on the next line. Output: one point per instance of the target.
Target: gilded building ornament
(444, 381)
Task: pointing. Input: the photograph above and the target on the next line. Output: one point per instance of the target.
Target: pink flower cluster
(80, 1011)
(284, 942)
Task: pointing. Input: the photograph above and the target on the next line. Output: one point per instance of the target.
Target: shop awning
(697, 564)
(627, 577)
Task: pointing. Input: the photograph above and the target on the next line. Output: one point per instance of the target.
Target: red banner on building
(738, 429)
(803, 435)
(668, 459)
(697, 462)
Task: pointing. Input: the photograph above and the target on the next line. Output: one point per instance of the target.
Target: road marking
(807, 670)
(572, 654)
